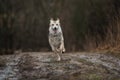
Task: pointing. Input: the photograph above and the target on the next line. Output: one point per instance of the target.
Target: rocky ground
(74, 66)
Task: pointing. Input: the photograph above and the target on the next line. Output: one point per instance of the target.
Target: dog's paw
(63, 51)
(59, 59)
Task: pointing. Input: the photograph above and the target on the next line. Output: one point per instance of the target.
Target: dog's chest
(55, 39)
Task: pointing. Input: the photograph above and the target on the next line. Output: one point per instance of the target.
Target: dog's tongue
(55, 31)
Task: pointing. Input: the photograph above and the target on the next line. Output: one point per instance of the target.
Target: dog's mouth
(55, 31)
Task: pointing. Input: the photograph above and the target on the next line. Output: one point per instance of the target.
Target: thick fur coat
(56, 39)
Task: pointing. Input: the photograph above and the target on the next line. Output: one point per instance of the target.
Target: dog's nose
(55, 28)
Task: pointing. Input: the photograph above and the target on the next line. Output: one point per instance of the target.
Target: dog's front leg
(62, 48)
(56, 51)
(59, 57)
(59, 54)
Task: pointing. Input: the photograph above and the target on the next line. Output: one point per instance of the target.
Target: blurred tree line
(24, 23)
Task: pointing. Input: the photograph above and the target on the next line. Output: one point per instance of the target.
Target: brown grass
(111, 43)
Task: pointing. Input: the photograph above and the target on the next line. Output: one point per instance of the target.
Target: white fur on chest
(55, 40)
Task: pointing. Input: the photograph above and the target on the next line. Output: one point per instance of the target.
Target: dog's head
(54, 26)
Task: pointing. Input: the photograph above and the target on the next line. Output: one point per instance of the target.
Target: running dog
(56, 39)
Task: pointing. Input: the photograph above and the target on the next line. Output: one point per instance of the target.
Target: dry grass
(112, 40)
(111, 43)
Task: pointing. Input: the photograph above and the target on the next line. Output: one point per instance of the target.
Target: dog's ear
(58, 20)
(51, 20)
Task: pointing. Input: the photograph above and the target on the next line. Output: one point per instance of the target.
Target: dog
(56, 39)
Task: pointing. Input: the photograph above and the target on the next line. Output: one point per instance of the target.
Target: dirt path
(74, 66)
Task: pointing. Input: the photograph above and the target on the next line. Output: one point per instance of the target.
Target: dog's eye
(56, 24)
(52, 24)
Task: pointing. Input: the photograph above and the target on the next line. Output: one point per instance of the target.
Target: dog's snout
(55, 28)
